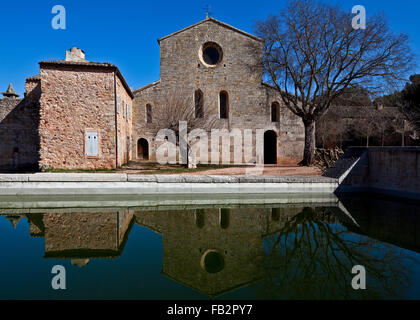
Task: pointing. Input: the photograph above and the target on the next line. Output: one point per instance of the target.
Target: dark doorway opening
(270, 147)
(143, 149)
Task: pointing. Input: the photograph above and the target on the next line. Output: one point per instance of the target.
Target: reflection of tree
(311, 257)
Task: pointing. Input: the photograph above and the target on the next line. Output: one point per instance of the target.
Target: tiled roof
(34, 78)
(79, 63)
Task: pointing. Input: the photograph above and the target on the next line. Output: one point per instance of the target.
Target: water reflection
(311, 257)
(281, 251)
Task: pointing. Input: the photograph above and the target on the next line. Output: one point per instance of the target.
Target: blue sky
(125, 32)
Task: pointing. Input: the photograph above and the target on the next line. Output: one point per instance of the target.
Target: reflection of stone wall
(235, 234)
(390, 221)
(124, 220)
(85, 231)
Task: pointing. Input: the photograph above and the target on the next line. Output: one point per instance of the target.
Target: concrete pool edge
(104, 184)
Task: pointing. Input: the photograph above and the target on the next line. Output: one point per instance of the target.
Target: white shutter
(92, 144)
(118, 104)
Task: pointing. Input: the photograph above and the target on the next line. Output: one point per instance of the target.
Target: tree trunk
(309, 151)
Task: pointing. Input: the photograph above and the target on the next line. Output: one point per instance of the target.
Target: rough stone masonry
(78, 114)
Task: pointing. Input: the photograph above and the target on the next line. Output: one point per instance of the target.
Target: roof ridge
(215, 21)
(147, 86)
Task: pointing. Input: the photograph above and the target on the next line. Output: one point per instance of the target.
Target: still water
(247, 248)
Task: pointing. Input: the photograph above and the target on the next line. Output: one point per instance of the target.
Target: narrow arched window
(224, 218)
(199, 103)
(199, 218)
(224, 105)
(275, 112)
(275, 214)
(148, 113)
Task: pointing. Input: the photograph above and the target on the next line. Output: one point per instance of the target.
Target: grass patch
(180, 169)
(80, 170)
(147, 169)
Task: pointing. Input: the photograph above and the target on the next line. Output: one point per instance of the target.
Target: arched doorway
(270, 147)
(143, 149)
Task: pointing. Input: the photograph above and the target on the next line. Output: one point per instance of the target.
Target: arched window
(148, 113)
(275, 112)
(199, 218)
(275, 214)
(199, 103)
(224, 218)
(224, 105)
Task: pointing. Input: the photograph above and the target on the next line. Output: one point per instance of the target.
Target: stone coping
(123, 177)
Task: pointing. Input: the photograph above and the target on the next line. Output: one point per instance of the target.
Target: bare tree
(311, 255)
(176, 106)
(405, 106)
(332, 128)
(410, 97)
(401, 126)
(312, 54)
(366, 123)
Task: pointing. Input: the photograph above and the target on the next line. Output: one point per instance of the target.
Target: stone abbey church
(78, 114)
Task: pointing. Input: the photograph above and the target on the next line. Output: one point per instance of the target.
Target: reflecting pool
(253, 247)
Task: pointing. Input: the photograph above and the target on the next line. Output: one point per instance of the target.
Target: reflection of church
(214, 250)
(211, 250)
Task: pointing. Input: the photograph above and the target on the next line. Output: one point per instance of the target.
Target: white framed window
(92, 144)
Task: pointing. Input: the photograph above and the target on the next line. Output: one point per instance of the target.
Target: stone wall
(74, 100)
(124, 123)
(19, 138)
(394, 169)
(386, 170)
(238, 73)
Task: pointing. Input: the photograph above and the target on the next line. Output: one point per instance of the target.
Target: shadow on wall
(19, 135)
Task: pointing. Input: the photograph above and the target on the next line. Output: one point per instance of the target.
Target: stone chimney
(75, 54)
(10, 92)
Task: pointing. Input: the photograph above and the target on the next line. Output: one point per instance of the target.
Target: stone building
(19, 123)
(78, 114)
(219, 67)
(85, 114)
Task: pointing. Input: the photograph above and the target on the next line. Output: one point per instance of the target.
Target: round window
(212, 53)
(212, 261)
